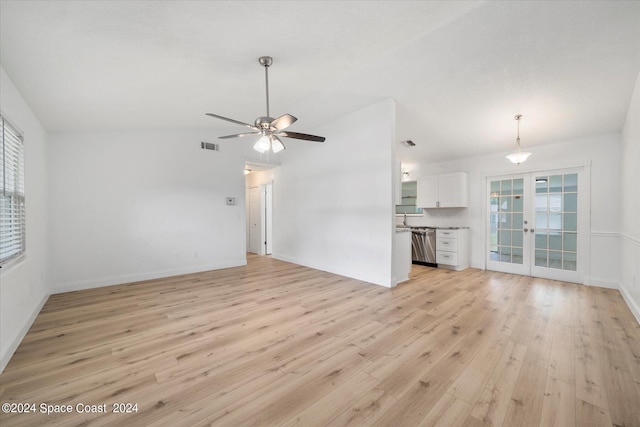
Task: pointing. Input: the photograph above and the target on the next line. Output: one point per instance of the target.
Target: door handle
(532, 230)
(525, 230)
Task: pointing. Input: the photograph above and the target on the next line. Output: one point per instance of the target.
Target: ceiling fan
(271, 129)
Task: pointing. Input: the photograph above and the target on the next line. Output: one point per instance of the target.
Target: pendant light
(518, 156)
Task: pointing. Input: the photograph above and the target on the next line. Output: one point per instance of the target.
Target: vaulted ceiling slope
(459, 71)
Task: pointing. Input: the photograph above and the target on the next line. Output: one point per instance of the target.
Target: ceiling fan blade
(238, 135)
(232, 121)
(282, 122)
(304, 136)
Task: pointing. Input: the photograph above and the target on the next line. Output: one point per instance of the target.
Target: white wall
(24, 284)
(630, 204)
(601, 152)
(333, 202)
(138, 205)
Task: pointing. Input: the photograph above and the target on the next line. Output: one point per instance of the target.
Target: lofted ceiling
(459, 71)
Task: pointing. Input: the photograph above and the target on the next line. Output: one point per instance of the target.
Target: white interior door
(535, 224)
(255, 218)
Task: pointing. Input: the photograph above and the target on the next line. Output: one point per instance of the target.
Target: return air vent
(209, 146)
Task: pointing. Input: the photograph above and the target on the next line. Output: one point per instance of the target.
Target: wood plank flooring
(274, 343)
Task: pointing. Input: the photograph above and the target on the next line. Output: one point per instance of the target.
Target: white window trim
(18, 187)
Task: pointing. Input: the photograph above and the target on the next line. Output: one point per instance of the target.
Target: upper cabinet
(408, 202)
(444, 191)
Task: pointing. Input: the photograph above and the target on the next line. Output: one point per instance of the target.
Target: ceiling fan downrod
(266, 62)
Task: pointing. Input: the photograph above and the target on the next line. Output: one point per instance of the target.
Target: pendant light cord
(518, 137)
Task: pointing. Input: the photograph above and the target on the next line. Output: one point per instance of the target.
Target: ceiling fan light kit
(518, 156)
(269, 128)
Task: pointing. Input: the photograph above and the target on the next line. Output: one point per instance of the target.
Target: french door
(535, 227)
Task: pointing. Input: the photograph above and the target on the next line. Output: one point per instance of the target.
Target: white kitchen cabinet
(452, 248)
(427, 194)
(444, 191)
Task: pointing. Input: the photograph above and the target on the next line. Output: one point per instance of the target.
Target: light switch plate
(231, 201)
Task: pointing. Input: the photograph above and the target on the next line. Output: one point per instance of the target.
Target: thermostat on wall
(231, 201)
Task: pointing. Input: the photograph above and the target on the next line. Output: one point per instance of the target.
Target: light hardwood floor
(274, 343)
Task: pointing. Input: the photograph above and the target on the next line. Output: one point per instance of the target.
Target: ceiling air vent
(209, 146)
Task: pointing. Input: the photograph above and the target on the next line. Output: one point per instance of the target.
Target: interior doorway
(255, 215)
(260, 219)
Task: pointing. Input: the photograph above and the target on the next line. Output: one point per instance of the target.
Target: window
(12, 212)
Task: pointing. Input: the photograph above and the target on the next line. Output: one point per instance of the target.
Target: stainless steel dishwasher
(423, 246)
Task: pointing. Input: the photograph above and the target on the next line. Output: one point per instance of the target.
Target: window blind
(12, 200)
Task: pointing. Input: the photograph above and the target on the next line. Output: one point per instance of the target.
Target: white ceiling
(459, 71)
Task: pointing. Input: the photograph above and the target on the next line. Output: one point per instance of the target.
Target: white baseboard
(635, 309)
(328, 269)
(603, 284)
(119, 280)
(12, 346)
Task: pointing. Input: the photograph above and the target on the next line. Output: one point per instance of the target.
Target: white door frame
(266, 191)
(584, 217)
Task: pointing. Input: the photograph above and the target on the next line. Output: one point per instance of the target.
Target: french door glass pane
(516, 255)
(555, 259)
(555, 241)
(505, 186)
(518, 221)
(571, 222)
(541, 220)
(541, 258)
(505, 204)
(556, 238)
(516, 238)
(542, 184)
(555, 184)
(541, 240)
(505, 254)
(555, 221)
(571, 183)
(517, 204)
(518, 186)
(570, 241)
(569, 261)
(571, 202)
